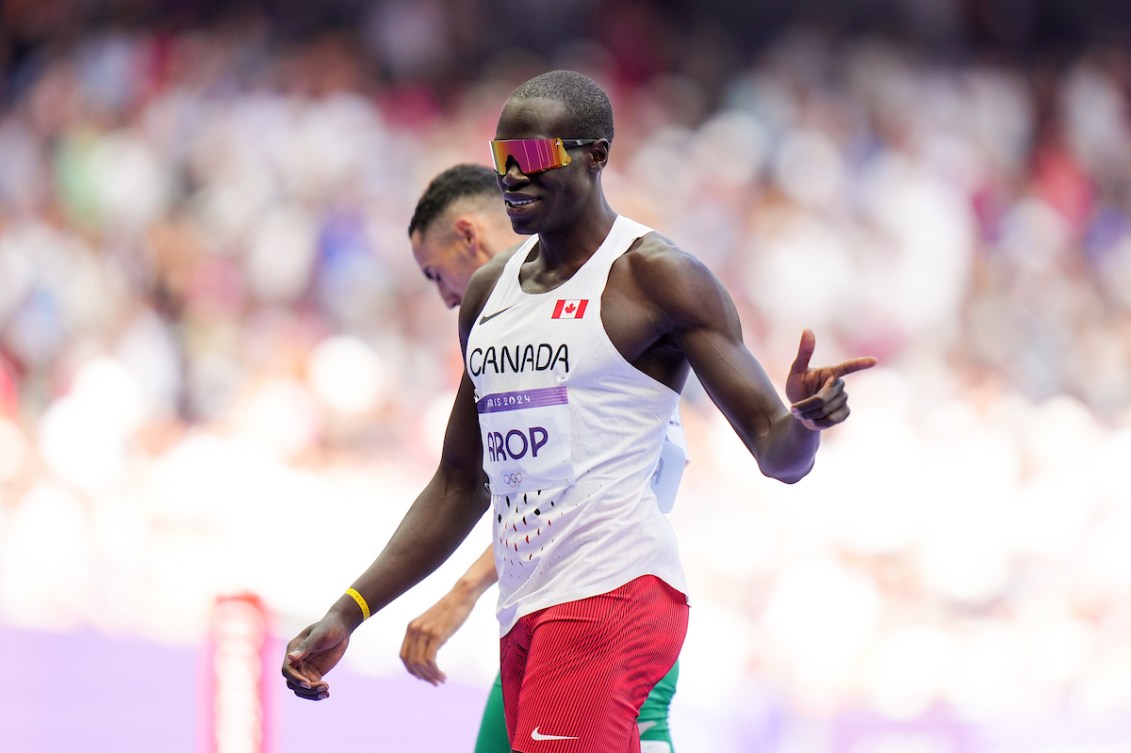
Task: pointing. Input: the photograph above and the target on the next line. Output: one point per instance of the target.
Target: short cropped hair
(453, 184)
(590, 112)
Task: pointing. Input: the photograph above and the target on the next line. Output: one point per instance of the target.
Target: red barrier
(236, 699)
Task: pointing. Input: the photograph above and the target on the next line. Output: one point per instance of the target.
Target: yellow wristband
(360, 602)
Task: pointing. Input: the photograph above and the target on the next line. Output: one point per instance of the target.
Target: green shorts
(653, 719)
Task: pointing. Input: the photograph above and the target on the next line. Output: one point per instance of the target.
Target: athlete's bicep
(463, 446)
(703, 321)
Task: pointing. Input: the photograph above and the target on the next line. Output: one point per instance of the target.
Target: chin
(523, 228)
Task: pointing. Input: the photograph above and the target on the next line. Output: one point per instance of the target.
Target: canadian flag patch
(570, 308)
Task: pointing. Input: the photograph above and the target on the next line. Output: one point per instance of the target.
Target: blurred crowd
(214, 340)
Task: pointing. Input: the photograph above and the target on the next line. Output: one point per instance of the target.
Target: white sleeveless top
(572, 441)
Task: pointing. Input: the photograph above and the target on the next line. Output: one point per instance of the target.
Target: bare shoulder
(656, 259)
(676, 284)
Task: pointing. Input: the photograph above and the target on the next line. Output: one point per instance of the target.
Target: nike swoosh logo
(536, 735)
(645, 726)
(488, 317)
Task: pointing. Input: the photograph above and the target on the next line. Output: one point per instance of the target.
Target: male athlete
(459, 224)
(576, 347)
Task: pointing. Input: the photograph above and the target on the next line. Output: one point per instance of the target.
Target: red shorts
(576, 674)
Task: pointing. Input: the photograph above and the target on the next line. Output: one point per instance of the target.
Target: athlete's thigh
(590, 665)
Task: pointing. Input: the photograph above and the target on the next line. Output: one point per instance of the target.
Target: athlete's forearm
(438, 521)
(788, 450)
(478, 578)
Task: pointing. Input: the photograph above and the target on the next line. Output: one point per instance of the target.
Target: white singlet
(572, 441)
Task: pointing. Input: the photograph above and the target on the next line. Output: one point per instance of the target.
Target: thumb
(804, 352)
(299, 650)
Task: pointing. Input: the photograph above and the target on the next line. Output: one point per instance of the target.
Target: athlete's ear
(468, 234)
(599, 154)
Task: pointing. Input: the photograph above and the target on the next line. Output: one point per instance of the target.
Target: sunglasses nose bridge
(514, 171)
(506, 162)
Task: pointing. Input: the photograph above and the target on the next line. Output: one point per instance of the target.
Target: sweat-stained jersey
(572, 439)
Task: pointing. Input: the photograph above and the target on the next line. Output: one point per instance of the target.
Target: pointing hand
(817, 397)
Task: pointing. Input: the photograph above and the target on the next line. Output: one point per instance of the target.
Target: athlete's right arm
(440, 518)
(429, 631)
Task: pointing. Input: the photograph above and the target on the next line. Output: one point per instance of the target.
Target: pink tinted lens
(532, 155)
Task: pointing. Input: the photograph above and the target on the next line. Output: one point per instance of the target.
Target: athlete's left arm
(696, 311)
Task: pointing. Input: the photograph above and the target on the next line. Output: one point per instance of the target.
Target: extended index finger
(853, 365)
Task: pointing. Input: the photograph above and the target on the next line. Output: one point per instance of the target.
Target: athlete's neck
(559, 254)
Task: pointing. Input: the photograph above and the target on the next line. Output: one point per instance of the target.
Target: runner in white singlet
(598, 408)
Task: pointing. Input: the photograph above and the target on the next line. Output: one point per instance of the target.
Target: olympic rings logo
(512, 479)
